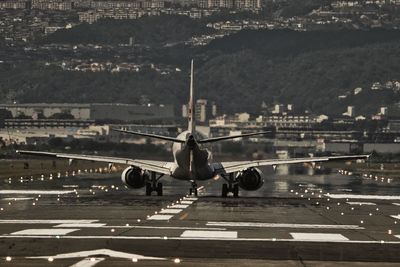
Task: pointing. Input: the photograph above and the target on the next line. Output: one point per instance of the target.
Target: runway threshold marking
(285, 225)
(159, 217)
(323, 237)
(171, 211)
(209, 234)
(51, 231)
(179, 206)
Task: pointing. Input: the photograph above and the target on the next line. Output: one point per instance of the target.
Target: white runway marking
(318, 237)
(82, 225)
(46, 221)
(36, 192)
(210, 234)
(186, 202)
(397, 236)
(70, 186)
(351, 196)
(285, 225)
(45, 232)
(171, 211)
(190, 198)
(396, 204)
(361, 203)
(160, 217)
(17, 198)
(179, 206)
(97, 252)
(118, 237)
(395, 216)
(88, 262)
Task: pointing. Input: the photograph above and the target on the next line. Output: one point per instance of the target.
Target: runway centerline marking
(50, 231)
(395, 216)
(285, 225)
(396, 204)
(209, 234)
(318, 237)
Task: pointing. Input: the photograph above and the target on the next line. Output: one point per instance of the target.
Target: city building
(95, 112)
(350, 111)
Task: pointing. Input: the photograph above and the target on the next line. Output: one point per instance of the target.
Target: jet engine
(250, 179)
(134, 177)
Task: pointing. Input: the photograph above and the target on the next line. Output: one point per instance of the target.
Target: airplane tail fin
(191, 104)
(216, 139)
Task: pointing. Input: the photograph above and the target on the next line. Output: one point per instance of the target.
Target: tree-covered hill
(239, 72)
(153, 31)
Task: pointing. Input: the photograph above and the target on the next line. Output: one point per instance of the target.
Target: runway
(91, 219)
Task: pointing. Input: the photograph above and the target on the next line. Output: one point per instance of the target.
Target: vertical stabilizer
(191, 117)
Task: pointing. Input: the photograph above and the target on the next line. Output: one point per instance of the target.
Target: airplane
(192, 162)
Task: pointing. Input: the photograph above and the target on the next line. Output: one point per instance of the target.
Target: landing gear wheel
(159, 189)
(148, 189)
(236, 190)
(224, 190)
(193, 189)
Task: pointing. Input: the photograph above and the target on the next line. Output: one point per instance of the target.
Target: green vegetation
(153, 31)
(239, 72)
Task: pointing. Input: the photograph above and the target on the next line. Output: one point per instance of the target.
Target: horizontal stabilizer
(167, 138)
(216, 139)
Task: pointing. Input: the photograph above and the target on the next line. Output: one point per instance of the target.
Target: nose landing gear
(193, 189)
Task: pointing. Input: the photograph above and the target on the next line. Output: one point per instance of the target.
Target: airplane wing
(229, 167)
(150, 165)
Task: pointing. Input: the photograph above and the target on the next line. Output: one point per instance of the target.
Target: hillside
(239, 72)
(154, 30)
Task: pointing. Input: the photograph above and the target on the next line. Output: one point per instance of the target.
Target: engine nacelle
(250, 179)
(134, 177)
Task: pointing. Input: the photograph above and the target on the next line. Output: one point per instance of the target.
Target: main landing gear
(231, 187)
(193, 189)
(154, 185)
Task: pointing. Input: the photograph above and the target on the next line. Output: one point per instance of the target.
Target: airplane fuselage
(192, 161)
